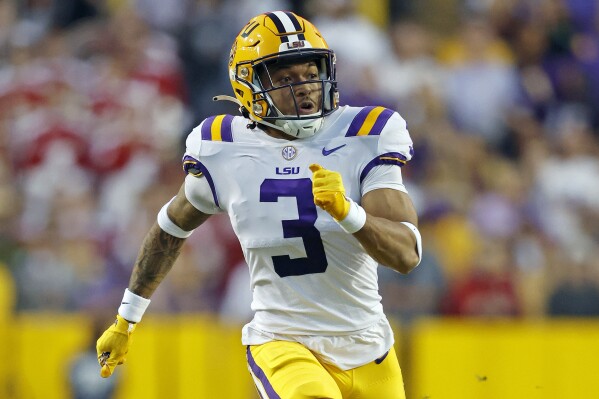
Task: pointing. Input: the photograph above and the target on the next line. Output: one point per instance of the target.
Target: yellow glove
(113, 345)
(328, 191)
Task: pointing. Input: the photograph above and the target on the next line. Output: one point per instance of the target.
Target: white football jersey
(308, 276)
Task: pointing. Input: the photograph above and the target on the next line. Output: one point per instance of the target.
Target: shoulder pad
(215, 128)
(395, 142)
(394, 145)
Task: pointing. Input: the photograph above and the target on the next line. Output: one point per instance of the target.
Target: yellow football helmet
(281, 38)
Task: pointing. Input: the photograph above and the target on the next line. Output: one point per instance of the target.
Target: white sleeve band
(133, 306)
(418, 240)
(355, 219)
(167, 224)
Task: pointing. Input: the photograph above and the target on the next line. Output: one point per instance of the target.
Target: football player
(314, 193)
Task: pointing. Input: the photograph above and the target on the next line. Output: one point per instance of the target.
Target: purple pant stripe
(259, 393)
(261, 376)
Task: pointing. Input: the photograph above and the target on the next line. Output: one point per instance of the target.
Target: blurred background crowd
(501, 99)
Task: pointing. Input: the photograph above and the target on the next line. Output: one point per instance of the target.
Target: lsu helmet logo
(296, 44)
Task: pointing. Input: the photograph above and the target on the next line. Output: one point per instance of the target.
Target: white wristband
(355, 219)
(133, 306)
(418, 239)
(167, 224)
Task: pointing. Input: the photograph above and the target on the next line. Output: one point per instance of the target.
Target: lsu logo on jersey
(287, 170)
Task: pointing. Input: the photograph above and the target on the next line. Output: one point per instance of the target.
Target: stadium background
(502, 101)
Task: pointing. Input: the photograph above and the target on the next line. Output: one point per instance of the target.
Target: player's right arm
(158, 253)
(160, 249)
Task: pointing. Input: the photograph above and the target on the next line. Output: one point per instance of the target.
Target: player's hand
(328, 191)
(113, 345)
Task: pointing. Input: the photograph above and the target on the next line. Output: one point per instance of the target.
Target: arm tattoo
(157, 255)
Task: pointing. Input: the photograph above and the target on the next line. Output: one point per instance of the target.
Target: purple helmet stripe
(390, 158)
(279, 24)
(261, 376)
(207, 128)
(358, 121)
(294, 21)
(226, 132)
(381, 121)
(296, 25)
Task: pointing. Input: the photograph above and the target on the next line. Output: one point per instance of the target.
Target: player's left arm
(384, 236)
(385, 223)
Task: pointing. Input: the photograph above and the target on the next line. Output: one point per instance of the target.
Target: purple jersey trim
(189, 162)
(390, 158)
(207, 127)
(225, 128)
(226, 132)
(261, 376)
(360, 118)
(358, 121)
(380, 123)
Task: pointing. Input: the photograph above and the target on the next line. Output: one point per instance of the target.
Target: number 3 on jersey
(315, 261)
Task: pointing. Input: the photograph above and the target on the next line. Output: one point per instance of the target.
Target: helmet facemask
(283, 107)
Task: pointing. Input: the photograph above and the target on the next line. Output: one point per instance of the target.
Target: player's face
(308, 96)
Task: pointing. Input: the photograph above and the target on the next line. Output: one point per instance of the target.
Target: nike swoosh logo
(380, 359)
(326, 152)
